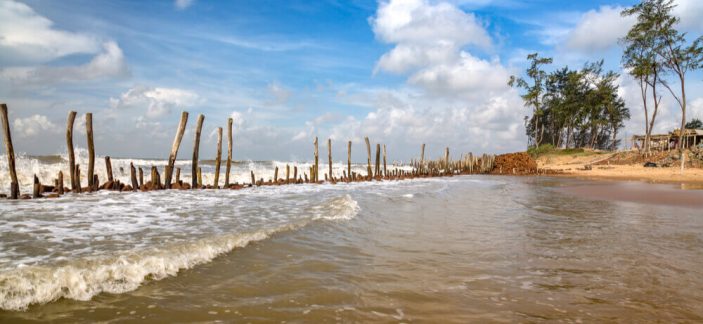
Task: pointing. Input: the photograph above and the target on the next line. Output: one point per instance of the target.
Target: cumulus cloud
(29, 37)
(691, 14)
(157, 101)
(28, 40)
(599, 30)
(430, 41)
(35, 125)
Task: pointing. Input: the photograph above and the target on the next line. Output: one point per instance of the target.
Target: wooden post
(329, 156)
(218, 158)
(10, 151)
(95, 183)
(154, 185)
(349, 158)
(316, 167)
(385, 170)
(178, 175)
(77, 173)
(287, 174)
(91, 149)
(37, 188)
(196, 147)
(422, 157)
(275, 175)
(108, 167)
(141, 177)
(229, 151)
(378, 160)
(174, 149)
(368, 160)
(69, 146)
(60, 183)
(446, 160)
(253, 179)
(133, 177)
(295, 173)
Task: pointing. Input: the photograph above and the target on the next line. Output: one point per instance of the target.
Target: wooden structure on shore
(667, 142)
(445, 166)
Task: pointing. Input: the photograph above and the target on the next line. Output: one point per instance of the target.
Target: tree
(655, 18)
(695, 123)
(643, 64)
(534, 92)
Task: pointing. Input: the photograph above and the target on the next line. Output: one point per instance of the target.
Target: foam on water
(48, 167)
(83, 277)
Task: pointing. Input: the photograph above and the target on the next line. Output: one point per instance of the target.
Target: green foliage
(576, 108)
(534, 92)
(695, 123)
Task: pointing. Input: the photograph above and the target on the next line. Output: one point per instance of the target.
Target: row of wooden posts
(468, 164)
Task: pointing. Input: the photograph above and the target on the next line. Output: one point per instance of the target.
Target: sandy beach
(576, 166)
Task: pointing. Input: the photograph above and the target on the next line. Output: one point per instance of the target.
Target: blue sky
(400, 72)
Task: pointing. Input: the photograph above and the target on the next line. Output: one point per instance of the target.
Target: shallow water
(461, 249)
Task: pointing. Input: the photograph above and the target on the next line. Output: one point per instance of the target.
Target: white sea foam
(85, 277)
(47, 169)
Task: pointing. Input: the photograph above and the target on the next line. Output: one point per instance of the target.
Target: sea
(461, 249)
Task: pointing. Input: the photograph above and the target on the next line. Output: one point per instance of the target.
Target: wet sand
(636, 191)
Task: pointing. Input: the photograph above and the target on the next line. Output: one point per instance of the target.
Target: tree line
(581, 108)
(572, 108)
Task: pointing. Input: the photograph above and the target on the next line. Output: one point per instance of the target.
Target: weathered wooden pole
(295, 173)
(69, 146)
(196, 147)
(77, 173)
(218, 158)
(287, 174)
(60, 183)
(178, 175)
(385, 171)
(133, 177)
(329, 156)
(275, 175)
(446, 160)
(141, 177)
(317, 161)
(253, 179)
(37, 188)
(229, 151)
(91, 149)
(368, 160)
(154, 185)
(10, 151)
(174, 149)
(108, 167)
(378, 160)
(422, 157)
(349, 158)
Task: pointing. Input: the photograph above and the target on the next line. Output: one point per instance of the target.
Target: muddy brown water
(451, 250)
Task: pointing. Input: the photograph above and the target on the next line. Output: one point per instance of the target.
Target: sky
(402, 73)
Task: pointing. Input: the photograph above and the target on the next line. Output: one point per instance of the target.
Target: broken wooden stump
(10, 152)
(196, 146)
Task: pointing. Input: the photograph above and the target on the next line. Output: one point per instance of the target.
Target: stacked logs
(444, 166)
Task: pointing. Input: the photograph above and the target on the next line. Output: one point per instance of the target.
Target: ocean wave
(83, 278)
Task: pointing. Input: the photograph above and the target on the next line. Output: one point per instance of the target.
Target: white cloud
(691, 14)
(157, 101)
(183, 4)
(29, 37)
(430, 41)
(35, 125)
(109, 63)
(599, 30)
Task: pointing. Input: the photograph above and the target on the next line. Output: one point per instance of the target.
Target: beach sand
(575, 166)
